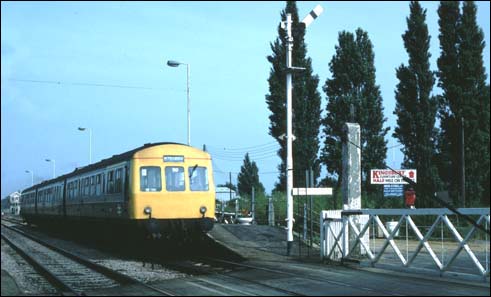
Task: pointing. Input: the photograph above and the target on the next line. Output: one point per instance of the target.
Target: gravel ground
(29, 282)
(27, 279)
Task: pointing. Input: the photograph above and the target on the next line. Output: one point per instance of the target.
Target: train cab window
(174, 178)
(150, 179)
(198, 178)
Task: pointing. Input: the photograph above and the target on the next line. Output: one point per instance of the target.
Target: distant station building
(224, 194)
(11, 204)
(14, 203)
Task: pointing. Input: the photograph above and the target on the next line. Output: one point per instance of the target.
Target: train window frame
(170, 185)
(203, 184)
(156, 176)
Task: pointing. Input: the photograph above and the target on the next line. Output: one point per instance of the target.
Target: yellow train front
(156, 190)
(172, 190)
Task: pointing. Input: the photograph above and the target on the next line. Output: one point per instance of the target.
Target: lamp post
(32, 176)
(90, 142)
(287, 25)
(176, 64)
(54, 166)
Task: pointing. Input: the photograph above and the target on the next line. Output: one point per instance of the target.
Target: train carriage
(158, 189)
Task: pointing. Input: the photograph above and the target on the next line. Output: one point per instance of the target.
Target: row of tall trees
(464, 104)
(353, 95)
(416, 107)
(463, 107)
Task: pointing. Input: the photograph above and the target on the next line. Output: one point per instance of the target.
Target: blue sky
(103, 65)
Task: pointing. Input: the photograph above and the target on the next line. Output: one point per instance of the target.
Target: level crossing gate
(345, 235)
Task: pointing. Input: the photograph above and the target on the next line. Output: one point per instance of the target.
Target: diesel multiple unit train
(159, 189)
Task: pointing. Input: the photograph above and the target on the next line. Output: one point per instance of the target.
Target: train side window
(198, 178)
(98, 184)
(118, 183)
(76, 192)
(87, 186)
(92, 185)
(150, 179)
(110, 182)
(174, 178)
(103, 183)
(72, 190)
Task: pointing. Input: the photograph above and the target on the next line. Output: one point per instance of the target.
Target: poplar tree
(450, 101)
(465, 99)
(249, 177)
(353, 96)
(415, 106)
(306, 103)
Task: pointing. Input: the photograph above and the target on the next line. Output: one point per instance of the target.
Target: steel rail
(112, 274)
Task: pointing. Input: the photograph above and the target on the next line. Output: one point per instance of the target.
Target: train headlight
(202, 210)
(147, 210)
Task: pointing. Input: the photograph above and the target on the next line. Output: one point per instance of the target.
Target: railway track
(66, 272)
(224, 267)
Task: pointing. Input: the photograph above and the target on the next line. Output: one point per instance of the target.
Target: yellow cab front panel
(175, 181)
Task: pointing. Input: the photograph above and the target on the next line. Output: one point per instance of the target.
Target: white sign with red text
(387, 176)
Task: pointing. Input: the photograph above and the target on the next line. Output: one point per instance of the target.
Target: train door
(36, 202)
(63, 204)
(126, 188)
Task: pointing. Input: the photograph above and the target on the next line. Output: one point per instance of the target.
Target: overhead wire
(89, 84)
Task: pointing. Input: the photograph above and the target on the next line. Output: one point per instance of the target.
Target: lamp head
(173, 63)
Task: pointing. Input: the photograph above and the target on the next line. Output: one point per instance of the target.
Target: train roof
(103, 163)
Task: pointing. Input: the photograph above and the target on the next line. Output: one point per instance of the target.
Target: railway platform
(256, 242)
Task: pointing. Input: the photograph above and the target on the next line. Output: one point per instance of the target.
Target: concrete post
(351, 183)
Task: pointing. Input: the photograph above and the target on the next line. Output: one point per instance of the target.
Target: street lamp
(176, 64)
(90, 142)
(54, 166)
(32, 176)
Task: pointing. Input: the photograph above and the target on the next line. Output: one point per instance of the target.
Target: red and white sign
(387, 176)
